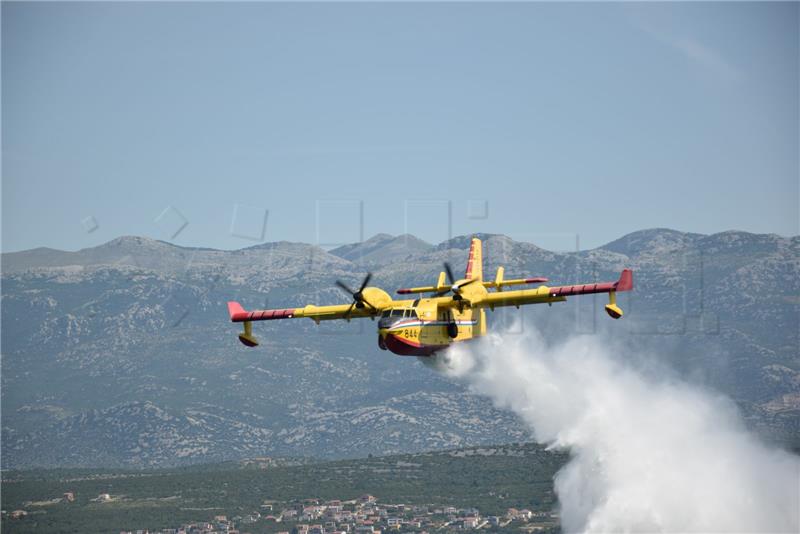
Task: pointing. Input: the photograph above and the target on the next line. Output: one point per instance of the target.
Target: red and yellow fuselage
(422, 328)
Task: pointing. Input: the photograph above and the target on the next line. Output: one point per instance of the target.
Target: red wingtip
(625, 282)
(235, 309)
(403, 291)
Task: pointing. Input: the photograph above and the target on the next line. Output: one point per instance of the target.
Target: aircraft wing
(318, 313)
(543, 294)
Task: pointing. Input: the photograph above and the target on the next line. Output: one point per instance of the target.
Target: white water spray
(648, 455)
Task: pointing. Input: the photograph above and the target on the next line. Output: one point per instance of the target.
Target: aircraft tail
(475, 261)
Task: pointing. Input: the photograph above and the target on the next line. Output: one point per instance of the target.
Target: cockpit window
(403, 312)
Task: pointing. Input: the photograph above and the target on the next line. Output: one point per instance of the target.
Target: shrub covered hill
(122, 355)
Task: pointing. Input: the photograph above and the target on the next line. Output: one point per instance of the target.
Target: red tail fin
(475, 261)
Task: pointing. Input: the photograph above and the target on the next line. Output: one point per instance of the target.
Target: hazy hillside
(381, 249)
(122, 354)
(491, 478)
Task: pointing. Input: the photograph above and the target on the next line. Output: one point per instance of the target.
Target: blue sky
(189, 121)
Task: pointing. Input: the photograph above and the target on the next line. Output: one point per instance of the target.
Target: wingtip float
(453, 311)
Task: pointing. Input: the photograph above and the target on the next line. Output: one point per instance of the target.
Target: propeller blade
(344, 287)
(449, 271)
(365, 282)
(358, 296)
(440, 293)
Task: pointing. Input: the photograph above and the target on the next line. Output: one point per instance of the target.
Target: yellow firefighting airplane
(455, 311)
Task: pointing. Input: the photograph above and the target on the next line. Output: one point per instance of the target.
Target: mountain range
(122, 355)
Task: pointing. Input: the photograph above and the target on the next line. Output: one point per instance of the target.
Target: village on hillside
(365, 515)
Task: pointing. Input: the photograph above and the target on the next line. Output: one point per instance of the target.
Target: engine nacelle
(376, 296)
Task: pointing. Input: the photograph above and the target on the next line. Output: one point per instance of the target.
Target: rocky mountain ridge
(122, 354)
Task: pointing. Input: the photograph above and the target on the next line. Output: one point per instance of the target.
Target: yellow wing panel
(317, 313)
(336, 311)
(544, 294)
(539, 295)
(374, 301)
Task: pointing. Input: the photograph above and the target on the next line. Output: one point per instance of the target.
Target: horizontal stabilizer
(493, 283)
